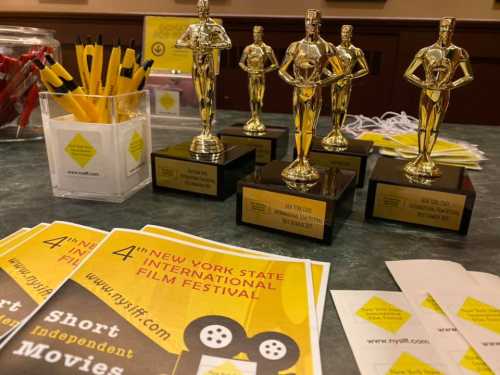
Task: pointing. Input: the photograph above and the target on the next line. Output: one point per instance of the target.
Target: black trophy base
(271, 145)
(175, 168)
(445, 203)
(264, 201)
(354, 158)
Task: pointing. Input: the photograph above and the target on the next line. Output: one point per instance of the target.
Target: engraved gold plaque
(331, 160)
(188, 176)
(285, 212)
(263, 147)
(419, 206)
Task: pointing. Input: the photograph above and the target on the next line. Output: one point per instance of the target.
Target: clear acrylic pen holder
(99, 151)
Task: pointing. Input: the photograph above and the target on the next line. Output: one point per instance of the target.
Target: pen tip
(38, 64)
(50, 59)
(89, 39)
(132, 43)
(138, 57)
(148, 64)
(99, 39)
(119, 42)
(78, 40)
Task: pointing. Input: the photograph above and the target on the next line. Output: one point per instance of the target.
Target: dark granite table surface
(357, 254)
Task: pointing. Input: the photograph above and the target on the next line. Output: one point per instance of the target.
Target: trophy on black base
(421, 192)
(298, 198)
(271, 143)
(335, 150)
(203, 165)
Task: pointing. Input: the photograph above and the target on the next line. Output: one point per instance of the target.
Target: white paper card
(385, 335)
(477, 317)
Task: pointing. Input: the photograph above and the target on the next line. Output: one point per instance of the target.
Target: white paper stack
(445, 320)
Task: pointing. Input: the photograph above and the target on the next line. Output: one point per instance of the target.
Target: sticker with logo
(80, 153)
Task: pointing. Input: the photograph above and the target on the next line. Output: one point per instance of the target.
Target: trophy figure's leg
(307, 107)
(204, 84)
(341, 96)
(433, 106)
(256, 90)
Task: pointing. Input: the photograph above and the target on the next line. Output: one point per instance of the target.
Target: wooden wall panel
(389, 46)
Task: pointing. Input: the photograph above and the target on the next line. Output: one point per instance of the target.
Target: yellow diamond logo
(481, 313)
(80, 150)
(473, 362)
(431, 304)
(383, 314)
(226, 368)
(167, 101)
(136, 146)
(408, 365)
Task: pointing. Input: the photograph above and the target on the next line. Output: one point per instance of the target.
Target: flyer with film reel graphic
(146, 304)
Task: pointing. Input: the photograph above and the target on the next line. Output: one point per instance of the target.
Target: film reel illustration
(213, 341)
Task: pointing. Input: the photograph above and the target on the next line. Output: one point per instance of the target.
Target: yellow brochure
(13, 235)
(6, 246)
(33, 269)
(150, 305)
(320, 270)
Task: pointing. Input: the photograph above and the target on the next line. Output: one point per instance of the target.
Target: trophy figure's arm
(364, 70)
(243, 60)
(272, 59)
(283, 70)
(468, 75)
(415, 64)
(185, 41)
(222, 41)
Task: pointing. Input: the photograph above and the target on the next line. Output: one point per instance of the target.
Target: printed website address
(398, 341)
(131, 308)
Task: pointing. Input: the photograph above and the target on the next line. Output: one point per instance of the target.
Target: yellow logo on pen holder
(383, 314)
(136, 146)
(407, 364)
(80, 150)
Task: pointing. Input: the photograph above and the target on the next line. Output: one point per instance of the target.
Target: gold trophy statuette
(310, 59)
(257, 59)
(351, 58)
(203, 38)
(440, 62)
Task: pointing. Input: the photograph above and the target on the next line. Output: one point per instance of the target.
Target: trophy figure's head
(203, 9)
(313, 23)
(346, 34)
(258, 33)
(446, 29)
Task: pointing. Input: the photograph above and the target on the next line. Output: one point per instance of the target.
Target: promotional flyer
(32, 270)
(146, 304)
(320, 270)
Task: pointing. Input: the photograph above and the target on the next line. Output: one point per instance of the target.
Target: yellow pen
(96, 67)
(79, 59)
(87, 59)
(126, 72)
(55, 85)
(111, 80)
(139, 78)
(70, 84)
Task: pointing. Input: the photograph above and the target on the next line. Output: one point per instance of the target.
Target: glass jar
(20, 117)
